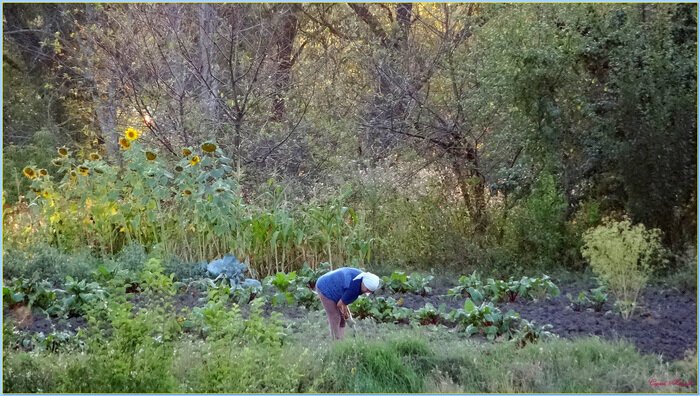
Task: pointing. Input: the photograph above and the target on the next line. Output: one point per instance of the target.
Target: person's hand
(343, 309)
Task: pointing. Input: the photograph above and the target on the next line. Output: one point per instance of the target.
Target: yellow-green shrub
(622, 254)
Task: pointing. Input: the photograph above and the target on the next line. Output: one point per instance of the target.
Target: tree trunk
(471, 184)
(206, 42)
(285, 44)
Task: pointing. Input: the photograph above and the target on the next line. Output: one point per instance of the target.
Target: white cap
(370, 280)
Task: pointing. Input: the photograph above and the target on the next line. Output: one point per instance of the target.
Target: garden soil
(665, 323)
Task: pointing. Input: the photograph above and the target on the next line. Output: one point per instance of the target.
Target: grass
(379, 359)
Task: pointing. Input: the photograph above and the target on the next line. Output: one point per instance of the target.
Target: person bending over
(339, 288)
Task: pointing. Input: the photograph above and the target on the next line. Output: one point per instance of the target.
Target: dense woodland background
(459, 135)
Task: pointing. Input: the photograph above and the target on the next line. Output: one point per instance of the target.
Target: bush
(622, 255)
(398, 366)
(685, 277)
(46, 261)
(536, 232)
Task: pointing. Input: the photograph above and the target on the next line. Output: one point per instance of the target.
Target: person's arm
(343, 309)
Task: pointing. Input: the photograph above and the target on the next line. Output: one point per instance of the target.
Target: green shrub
(685, 276)
(229, 368)
(32, 372)
(46, 261)
(536, 230)
(381, 367)
(622, 255)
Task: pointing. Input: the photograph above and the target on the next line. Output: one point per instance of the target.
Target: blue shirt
(339, 285)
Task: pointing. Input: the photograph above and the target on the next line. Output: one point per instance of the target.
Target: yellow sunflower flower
(186, 152)
(29, 172)
(178, 168)
(187, 192)
(57, 162)
(83, 170)
(63, 152)
(150, 156)
(125, 143)
(95, 157)
(209, 147)
(132, 134)
(194, 160)
(43, 172)
(46, 194)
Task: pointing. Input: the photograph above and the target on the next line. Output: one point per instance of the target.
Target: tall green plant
(622, 255)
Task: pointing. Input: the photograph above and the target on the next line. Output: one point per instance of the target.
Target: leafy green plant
(429, 315)
(307, 298)
(486, 319)
(622, 255)
(32, 292)
(418, 284)
(530, 333)
(599, 298)
(382, 309)
(79, 296)
(469, 287)
(153, 279)
(308, 276)
(399, 282)
(283, 284)
(579, 303)
(595, 301)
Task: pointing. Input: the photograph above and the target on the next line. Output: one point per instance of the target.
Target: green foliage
(308, 276)
(380, 308)
(429, 315)
(486, 319)
(79, 296)
(129, 352)
(581, 302)
(396, 366)
(623, 256)
(530, 333)
(153, 279)
(415, 283)
(468, 287)
(536, 232)
(498, 290)
(35, 293)
(685, 275)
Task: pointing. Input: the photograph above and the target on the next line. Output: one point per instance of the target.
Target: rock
(590, 310)
(568, 308)
(608, 313)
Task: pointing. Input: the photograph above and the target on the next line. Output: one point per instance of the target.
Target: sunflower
(178, 168)
(97, 170)
(220, 190)
(125, 143)
(57, 162)
(194, 160)
(209, 147)
(150, 156)
(29, 172)
(83, 170)
(187, 192)
(46, 194)
(63, 152)
(132, 134)
(73, 174)
(95, 157)
(43, 172)
(186, 152)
